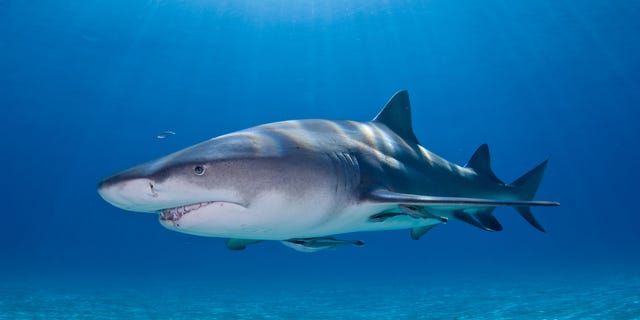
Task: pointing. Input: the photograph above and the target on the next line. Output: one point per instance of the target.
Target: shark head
(222, 186)
(199, 181)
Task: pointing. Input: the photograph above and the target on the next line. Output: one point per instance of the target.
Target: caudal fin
(525, 188)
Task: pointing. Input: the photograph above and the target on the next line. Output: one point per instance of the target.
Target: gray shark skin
(310, 179)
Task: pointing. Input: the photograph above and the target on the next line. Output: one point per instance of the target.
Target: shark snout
(135, 194)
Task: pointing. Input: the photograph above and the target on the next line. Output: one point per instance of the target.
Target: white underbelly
(269, 217)
(278, 217)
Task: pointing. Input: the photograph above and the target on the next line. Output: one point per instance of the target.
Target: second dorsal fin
(396, 115)
(480, 162)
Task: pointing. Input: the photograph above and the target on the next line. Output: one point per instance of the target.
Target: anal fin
(482, 219)
(487, 220)
(465, 217)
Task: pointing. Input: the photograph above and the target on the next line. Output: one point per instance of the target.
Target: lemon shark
(302, 182)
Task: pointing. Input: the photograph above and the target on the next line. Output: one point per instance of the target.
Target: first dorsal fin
(480, 162)
(396, 115)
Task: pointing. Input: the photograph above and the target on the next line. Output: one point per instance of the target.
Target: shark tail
(525, 188)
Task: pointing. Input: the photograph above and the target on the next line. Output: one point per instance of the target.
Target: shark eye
(198, 170)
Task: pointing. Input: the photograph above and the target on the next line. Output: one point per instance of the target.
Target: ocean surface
(86, 87)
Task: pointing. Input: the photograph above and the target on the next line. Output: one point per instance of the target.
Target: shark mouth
(174, 214)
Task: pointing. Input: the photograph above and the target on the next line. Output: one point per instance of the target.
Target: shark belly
(277, 216)
(271, 216)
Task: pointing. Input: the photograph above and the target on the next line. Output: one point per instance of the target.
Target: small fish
(165, 134)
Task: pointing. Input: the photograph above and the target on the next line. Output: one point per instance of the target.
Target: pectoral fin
(239, 244)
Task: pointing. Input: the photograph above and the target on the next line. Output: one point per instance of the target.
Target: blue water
(85, 87)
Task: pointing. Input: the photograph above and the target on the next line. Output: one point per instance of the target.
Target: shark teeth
(174, 214)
